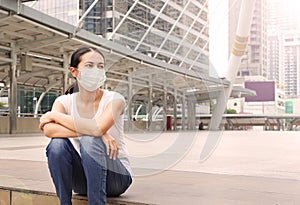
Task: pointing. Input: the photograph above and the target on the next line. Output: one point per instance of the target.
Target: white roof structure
(36, 49)
(48, 42)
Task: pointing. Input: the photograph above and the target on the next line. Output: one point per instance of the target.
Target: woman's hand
(46, 118)
(112, 148)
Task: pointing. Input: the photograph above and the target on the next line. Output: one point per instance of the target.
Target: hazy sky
(218, 16)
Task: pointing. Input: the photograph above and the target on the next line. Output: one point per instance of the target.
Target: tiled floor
(245, 168)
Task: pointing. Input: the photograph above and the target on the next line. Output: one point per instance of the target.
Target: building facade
(273, 50)
(253, 65)
(254, 61)
(174, 31)
(283, 45)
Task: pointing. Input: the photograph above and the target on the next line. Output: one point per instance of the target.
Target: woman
(87, 152)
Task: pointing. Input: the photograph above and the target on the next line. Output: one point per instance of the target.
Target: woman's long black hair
(75, 60)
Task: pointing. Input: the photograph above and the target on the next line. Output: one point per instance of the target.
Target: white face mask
(91, 78)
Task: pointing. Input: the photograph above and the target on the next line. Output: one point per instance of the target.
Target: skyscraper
(254, 65)
(254, 61)
(283, 45)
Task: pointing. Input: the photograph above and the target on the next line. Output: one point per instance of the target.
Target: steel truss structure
(172, 31)
(35, 50)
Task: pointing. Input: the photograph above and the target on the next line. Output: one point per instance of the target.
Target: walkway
(254, 167)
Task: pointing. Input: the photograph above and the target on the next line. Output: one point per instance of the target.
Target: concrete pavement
(247, 167)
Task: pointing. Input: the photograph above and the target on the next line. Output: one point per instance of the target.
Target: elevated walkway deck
(30, 185)
(247, 168)
(17, 196)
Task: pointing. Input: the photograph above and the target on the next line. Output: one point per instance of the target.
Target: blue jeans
(93, 174)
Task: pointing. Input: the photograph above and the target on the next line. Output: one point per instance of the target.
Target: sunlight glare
(292, 7)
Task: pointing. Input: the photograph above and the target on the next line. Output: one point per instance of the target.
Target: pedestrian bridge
(247, 121)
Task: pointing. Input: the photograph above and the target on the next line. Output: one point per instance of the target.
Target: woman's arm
(54, 130)
(58, 124)
(94, 127)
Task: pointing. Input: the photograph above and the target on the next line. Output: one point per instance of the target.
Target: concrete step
(17, 196)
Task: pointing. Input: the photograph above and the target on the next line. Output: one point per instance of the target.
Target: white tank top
(116, 131)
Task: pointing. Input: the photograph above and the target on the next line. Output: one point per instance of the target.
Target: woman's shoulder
(113, 95)
(64, 97)
(65, 100)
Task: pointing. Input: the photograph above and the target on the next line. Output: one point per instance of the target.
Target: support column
(191, 115)
(164, 99)
(13, 92)
(66, 71)
(130, 98)
(150, 100)
(183, 114)
(175, 110)
(240, 44)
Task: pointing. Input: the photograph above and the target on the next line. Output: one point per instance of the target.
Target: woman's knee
(92, 152)
(118, 186)
(92, 145)
(57, 147)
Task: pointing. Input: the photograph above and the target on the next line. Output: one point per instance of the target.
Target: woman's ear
(74, 72)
